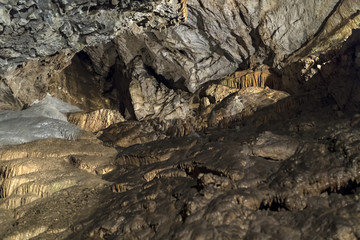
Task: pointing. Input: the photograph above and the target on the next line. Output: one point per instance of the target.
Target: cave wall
(33, 33)
(218, 38)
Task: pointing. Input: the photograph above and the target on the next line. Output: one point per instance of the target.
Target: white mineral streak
(43, 119)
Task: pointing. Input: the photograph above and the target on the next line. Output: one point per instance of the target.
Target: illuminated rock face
(242, 123)
(218, 38)
(47, 27)
(44, 119)
(35, 30)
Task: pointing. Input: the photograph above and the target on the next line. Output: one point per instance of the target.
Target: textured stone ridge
(96, 120)
(54, 30)
(220, 37)
(33, 29)
(197, 150)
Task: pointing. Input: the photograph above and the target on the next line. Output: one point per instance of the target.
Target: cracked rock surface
(273, 181)
(240, 123)
(39, 30)
(218, 38)
(283, 166)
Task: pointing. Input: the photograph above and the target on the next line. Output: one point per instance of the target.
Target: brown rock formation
(241, 123)
(96, 120)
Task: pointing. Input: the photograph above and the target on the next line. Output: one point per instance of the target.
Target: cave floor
(295, 175)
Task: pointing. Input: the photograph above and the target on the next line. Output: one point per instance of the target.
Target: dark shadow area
(169, 83)
(351, 188)
(120, 79)
(273, 206)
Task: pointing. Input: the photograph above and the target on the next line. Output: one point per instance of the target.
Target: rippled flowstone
(225, 179)
(96, 120)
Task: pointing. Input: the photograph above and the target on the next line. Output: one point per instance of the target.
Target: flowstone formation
(180, 119)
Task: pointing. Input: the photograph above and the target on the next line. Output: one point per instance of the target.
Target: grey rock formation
(217, 39)
(44, 119)
(222, 36)
(35, 29)
(39, 30)
(203, 152)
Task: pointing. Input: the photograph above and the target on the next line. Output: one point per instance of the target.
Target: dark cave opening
(171, 84)
(352, 187)
(274, 206)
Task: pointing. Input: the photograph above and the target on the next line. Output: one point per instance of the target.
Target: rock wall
(39, 30)
(189, 133)
(218, 37)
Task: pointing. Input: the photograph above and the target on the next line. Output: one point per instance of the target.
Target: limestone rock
(274, 147)
(48, 27)
(52, 32)
(186, 186)
(211, 45)
(215, 93)
(79, 85)
(151, 98)
(220, 37)
(128, 133)
(125, 134)
(242, 104)
(96, 120)
(27, 82)
(234, 158)
(37, 170)
(217, 178)
(250, 78)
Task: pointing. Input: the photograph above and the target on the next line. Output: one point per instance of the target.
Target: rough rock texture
(235, 105)
(221, 36)
(79, 85)
(96, 120)
(151, 98)
(28, 82)
(33, 30)
(218, 38)
(269, 151)
(217, 183)
(45, 169)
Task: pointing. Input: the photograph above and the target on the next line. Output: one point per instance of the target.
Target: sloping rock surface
(296, 177)
(241, 123)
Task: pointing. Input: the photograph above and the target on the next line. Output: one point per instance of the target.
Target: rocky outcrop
(79, 85)
(221, 37)
(217, 39)
(241, 123)
(37, 30)
(274, 181)
(151, 98)
(47, 27)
